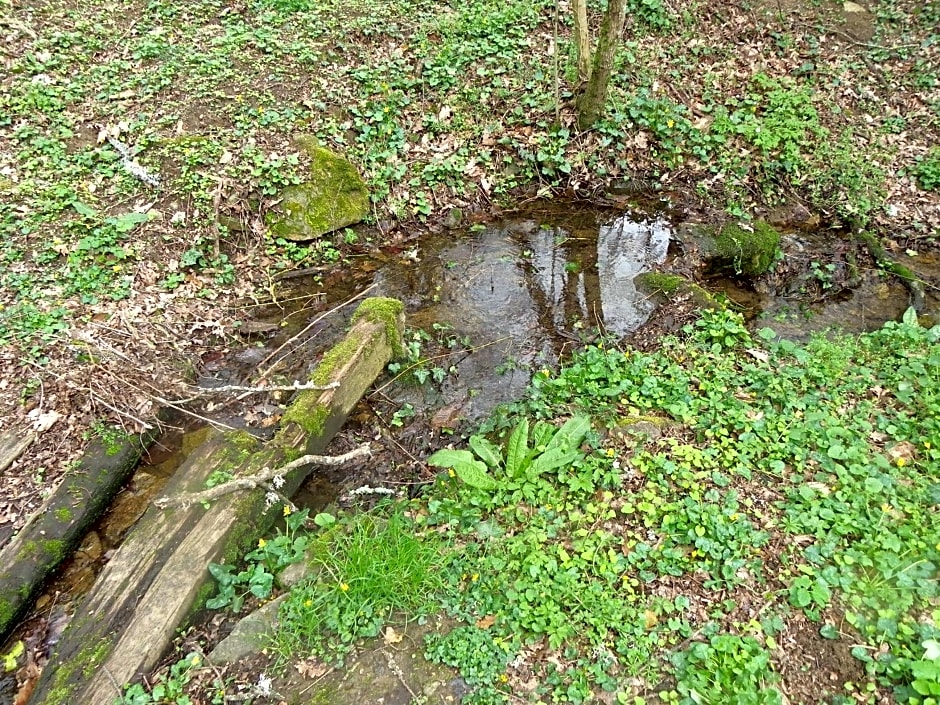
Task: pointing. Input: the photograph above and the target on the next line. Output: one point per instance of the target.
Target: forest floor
(143, 144)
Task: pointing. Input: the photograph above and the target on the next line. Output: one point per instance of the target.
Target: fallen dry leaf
(392, 637)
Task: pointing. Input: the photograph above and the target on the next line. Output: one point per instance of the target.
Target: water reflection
(521, 291)
(589, 276)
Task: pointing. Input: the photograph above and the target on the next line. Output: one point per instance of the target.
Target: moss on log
(56, 528)
(152, 584)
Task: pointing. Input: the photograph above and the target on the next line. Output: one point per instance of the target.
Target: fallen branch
(12, 448)
(265, 475)
(295, 387)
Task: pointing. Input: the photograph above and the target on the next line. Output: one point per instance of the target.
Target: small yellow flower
(503, 678)
(262, 543)
(308, 603)
(670, 123)
(196, 660)
(611, 452)
(344, 587)
(474, 577)
(287, 510)
(901, 462)
(734, 517)
(452, 473)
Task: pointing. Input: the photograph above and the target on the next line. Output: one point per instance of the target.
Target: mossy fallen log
(159, 575)
(54, 531)
(914, 286)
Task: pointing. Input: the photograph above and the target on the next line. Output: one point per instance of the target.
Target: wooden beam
(159, 575)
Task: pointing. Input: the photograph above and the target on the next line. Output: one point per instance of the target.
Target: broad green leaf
(910, 316)
(518, 450)
(571, 434)
(542, 433)
(552, 459)
(475, 475)
(447, 458)
(82, 209)
(128, 221)
(486, 451)
(324, 519)
(465, 466)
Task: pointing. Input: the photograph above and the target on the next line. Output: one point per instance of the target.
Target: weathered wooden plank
(159, 574)
(56, 528)
(12, 446)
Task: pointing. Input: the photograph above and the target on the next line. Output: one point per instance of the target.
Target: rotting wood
(159, 575)
(55, 529)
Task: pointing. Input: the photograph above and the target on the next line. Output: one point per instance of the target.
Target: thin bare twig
(310, 325)
(264, 475)
(295, 387)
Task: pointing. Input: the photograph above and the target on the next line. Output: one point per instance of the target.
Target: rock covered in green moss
(333, 197)
(673, 286)
(748, 249)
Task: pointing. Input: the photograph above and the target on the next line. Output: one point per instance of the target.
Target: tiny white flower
(264, 685)
(270, 499)
(278, 481)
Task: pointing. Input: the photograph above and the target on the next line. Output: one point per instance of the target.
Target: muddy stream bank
(486, 305)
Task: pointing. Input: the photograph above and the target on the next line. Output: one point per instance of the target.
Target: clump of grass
(366, 569)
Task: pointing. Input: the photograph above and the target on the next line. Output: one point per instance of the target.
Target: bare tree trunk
(582, 40)
(591, 103)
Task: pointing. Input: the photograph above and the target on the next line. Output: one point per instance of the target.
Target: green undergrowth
(805, 477)
(788, 485)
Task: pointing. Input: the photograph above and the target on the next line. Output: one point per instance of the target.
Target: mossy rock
(333, 197)
(673, 286)
(748, 251)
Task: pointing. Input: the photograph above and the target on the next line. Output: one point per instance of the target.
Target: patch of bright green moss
(63, 514)
(334, 359)
(660, 282)
(54, 548)
(85, 662)
(307, 412)
(6, 613)
(387, 312)
(750, 252)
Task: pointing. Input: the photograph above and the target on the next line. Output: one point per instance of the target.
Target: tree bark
(582, 41)
(591, 103)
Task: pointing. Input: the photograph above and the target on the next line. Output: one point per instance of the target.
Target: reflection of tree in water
(588, 275)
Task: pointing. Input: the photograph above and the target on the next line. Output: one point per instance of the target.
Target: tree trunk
(591, 103)
(582, 41)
